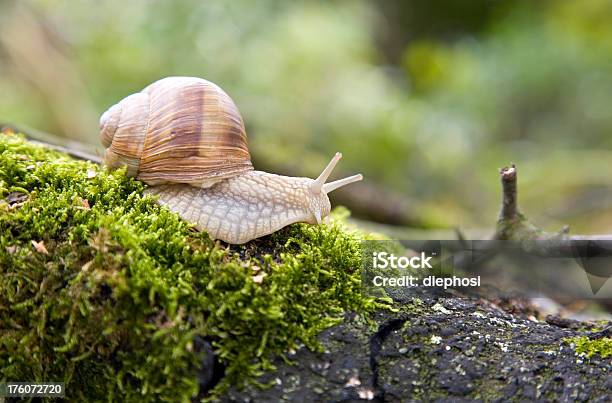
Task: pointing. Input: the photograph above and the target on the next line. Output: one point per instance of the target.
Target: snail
(185, 138)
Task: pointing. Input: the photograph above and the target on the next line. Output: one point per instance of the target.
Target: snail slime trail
(185, 138)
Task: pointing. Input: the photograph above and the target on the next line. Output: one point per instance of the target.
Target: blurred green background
(426, 98)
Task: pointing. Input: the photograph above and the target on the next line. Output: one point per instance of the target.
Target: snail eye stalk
(319, 183)
(331, 186)
(317, 186)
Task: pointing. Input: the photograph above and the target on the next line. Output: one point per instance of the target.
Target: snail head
(320, 205)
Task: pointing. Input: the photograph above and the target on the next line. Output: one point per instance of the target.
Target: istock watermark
(429, 281)
(569, 270)
(410, 269)
(382, 260)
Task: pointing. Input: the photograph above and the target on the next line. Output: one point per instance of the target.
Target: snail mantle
(185, 137)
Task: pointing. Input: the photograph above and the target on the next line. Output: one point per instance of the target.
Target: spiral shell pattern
(177, 130)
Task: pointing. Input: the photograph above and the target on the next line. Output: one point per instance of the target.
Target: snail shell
(177, 130)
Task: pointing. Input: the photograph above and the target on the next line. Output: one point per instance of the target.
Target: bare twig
(513, 224)
(509, 201)
(73, 148)
(78, 154)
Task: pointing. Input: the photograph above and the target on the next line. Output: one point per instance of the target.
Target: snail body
(184, 137)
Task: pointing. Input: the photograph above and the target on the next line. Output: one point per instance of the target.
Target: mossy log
(103, 289)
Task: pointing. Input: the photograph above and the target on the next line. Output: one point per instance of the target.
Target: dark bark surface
(445, 348)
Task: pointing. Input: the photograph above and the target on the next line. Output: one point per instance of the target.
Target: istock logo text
(383, 260)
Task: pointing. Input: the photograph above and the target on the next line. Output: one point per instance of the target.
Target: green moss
(590, 347)
(102, 288)
(518, 228)
(521, 229)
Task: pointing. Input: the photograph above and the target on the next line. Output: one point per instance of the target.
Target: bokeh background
(426, 98)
